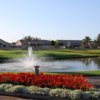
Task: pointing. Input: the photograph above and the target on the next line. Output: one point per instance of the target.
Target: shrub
(31, 89)
(5, 87)
(96, 95)
(76, 95)
(87, 95)
(43, 91)
(60, 92)
(92, 94)
(18, 89)
(38, 90)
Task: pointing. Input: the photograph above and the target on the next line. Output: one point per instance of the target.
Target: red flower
(46, 80)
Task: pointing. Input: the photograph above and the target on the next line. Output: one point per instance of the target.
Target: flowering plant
(47, 80)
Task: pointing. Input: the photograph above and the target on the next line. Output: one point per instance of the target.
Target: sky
(49, 19)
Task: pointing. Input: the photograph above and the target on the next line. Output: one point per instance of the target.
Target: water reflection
(47, 65)
(87, 61)
(97, 61)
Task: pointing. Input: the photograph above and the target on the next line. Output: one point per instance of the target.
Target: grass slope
(87, 73)
(56, 53)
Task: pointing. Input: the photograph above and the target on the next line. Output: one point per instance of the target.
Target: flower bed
(37, 92)
(46, 80)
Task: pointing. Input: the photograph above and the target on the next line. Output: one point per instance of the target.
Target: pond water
(48, 65)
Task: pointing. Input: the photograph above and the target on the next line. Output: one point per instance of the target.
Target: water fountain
(29, 62)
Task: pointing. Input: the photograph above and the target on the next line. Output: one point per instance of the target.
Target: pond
(76, 64)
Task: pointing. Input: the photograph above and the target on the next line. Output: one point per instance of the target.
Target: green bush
(31, 89)
(5, 87)
(38, 90)
(96, 95)
(92, 94)
(18, 89)
(59, 92)
(87, 95)
(76, 94)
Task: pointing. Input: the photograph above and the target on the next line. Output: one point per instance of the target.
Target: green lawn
(87, 73)
(56, 53)
(63, 54)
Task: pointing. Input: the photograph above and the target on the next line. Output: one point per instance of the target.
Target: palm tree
(97, 41)
(86, 42)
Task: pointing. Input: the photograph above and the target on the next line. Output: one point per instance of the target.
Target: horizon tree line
(87, 42)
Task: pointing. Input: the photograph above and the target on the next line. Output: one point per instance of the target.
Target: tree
(53, 43)
(27, 41)
(61, 44)
(28, 38)
(86, 42)
(97, 41)
(93, 44)
(57, 43)
(36, 38)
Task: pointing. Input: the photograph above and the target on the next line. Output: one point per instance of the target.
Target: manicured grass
(87, 73)
(56, 53)
(66, 53)
(11, 53)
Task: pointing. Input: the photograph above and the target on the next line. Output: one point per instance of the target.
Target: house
(4, 44)
(13, 44)
(34, 43)
(70, 43)
(47, 43)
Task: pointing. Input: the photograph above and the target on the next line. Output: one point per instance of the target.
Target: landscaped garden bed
(49, 93)
(67, 87)
(46, 80)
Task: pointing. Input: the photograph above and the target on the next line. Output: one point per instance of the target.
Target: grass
(55, 53)
(86, 73)
(65, 53)
(11, 53)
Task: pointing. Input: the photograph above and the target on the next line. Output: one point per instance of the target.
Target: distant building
(13, 44)
(4, 44)
(33, 43)
(40, 43)
(70, 43)
(47, 43)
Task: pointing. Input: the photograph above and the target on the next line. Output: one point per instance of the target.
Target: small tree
(57, 43)
(53, 43)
